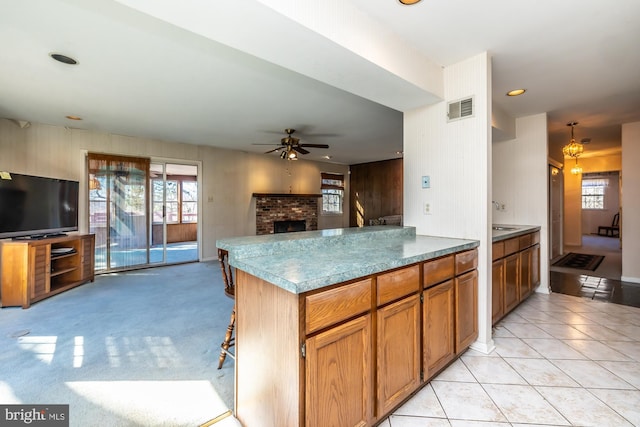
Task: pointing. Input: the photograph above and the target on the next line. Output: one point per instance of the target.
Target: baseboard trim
(630, 279)
(483, 347)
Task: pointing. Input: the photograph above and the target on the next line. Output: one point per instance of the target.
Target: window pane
(332, 201)
(190, 212)
(189, 191)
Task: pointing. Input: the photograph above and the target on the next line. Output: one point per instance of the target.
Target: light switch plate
(426, 182)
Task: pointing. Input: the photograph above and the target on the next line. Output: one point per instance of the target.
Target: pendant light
(573, 148)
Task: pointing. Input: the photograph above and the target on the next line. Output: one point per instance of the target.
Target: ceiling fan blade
(315, 145)
(271, 151)
(300, 150)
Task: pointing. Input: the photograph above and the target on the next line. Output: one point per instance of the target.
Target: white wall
(520, 183)
(228, 177)
(630, 219)
(457, 157)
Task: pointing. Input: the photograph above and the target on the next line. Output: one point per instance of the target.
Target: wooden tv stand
(33, 270)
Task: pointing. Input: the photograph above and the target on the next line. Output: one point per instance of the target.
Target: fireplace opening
(289, 226)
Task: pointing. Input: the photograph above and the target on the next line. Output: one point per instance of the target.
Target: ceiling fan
(290, 146)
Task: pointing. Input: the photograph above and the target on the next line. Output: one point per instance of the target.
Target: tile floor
(560, 360)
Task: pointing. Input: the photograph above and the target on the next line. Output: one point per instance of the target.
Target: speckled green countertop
(507, 231)
(309, 260)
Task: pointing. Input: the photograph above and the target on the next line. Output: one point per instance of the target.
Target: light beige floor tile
(475, 353)
(595, 350)
(624, 402)
(457, 371)
(602, 333)
(628, 371)
(514, 347)
(466, 401)
(422, 404)
(523, 404)
(554, 349)
(492, 371)
(526, 330)
(541, 372)
(500, 331)
(581, 407)
(631, 331)
(384, 423)
(404, 421)
(538, 316)
(571, 318)
(591, 375)
(563, 331)
(628, 348)
(466, 423)
(514, 317)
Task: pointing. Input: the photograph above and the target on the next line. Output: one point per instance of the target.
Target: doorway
(174, 213)
(556, 195)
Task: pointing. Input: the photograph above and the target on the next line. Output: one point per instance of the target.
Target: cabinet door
(497, 291)
(339, 376)
(511, 282)
(525, 274)
(40, 263)
(398, 352)
(87, 265)
(438, 328)
(466, 297)
(535, 266)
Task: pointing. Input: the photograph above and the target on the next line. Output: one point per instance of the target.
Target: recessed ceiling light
(73, 117)
(63, 58)
(409, 2)
(399, 152)
(516, 92)
(327, 157)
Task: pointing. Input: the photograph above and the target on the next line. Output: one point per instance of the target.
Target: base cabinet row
(515, 272)
(366, 346)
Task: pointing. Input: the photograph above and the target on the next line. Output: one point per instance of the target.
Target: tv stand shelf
(32, 271)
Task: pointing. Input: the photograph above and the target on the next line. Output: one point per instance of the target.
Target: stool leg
(227, 338)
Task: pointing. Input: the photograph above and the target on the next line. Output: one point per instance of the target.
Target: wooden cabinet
(338, 388)
(438, 327)
(466, 310)
(398, 352)
(349, 354)
(36, 269)
(515, 272)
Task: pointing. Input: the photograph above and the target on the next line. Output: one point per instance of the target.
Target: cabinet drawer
(535, 238)
(525, 241)
(438, 270)
(396, 284)
(466, 261)
(327, 308)
(497, 251)
(511, 246)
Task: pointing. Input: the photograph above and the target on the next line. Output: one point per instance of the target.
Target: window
(332, 193)
(593, 193)
(181, 201)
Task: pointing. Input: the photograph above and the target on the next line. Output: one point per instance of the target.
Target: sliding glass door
(174, 207)
(119, 210)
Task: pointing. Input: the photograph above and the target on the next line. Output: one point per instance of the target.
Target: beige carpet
(610, 267)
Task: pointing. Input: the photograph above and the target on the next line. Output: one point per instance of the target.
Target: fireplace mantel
(279, 195)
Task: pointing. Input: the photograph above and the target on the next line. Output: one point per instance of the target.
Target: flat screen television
(37, 207)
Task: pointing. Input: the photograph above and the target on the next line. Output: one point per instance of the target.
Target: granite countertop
(508, 231)
(309, 260)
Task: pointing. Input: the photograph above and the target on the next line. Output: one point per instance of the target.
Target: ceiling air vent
(460, 109)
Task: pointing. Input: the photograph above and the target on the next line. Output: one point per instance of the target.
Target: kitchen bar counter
(309, 260)
(507, 231)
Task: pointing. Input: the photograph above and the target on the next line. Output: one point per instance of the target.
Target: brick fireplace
(285, 207)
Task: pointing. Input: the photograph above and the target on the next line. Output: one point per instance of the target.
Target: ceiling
(237, 74)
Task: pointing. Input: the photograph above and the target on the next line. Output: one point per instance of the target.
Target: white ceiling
(236, 74)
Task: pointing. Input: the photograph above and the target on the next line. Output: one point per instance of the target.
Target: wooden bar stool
(230, 291)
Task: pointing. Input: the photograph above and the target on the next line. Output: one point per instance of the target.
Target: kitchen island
(340, 327)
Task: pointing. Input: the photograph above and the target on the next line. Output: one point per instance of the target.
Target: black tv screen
(37, 206)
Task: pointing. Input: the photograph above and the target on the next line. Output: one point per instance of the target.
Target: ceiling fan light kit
(290, 146)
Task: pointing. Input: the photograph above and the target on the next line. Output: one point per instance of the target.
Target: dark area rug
(579, 261)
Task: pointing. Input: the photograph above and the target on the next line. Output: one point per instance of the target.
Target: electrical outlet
(426, 182)
(427, 209)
